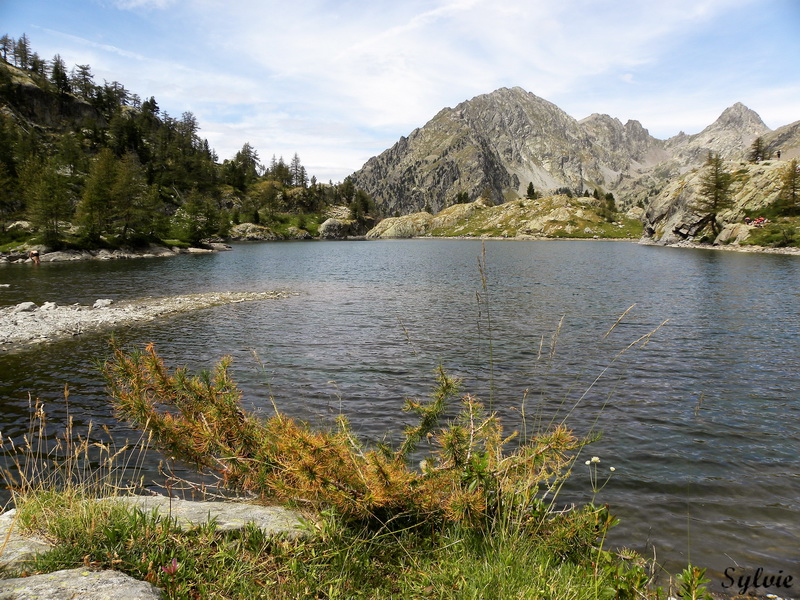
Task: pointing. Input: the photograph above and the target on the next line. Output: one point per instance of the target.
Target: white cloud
(142, 4)
(341, 81)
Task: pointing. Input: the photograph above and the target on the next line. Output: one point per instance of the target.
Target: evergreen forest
(88, 165)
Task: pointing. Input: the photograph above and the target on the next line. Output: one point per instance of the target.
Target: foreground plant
(476, 520)
(470, 477)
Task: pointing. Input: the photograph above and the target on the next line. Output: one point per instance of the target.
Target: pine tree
(130, 201)
(58, 75)
(6, 46)
(82, 81)
(47, 197)
(714, 195)
(97, 202)
(756, 150)
(790, 187)
(22, 52)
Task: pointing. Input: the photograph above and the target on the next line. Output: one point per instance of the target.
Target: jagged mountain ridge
(502, 141)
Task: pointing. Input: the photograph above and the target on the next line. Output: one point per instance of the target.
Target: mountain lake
(701, 423)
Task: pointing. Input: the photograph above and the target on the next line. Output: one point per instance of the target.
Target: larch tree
(47, 197)
(714, 194)
(790, 187)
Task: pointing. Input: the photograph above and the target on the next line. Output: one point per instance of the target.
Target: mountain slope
(496, 144)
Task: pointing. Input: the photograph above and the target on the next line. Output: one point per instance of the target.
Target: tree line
(125, 172)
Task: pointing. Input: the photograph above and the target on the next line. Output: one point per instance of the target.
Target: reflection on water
(701, 423)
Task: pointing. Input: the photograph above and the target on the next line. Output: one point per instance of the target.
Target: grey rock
(294, 233)
(335, 229)
(251, 232)
(670, 219)
(83, 584)
(19, 548)
(274, 520)
(25, 307)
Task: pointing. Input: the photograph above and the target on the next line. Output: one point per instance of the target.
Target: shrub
(469, 478)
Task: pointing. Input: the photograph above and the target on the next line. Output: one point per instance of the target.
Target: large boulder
(335, 229)
(251, 232)
(407, 226)
(671, 218)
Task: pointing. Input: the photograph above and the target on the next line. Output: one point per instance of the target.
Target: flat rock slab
(83, 584)
(274, 520)
(16, 548)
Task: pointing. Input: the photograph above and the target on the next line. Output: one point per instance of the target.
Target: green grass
(281, 222)
(783, 232)
(339, 560)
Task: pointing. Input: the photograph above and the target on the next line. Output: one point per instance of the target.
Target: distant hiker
(34, 256)
(779, 154)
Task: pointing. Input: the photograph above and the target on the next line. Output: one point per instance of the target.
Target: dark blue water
(701, 423)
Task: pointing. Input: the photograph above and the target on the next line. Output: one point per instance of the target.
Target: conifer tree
(47, 197)
(58, 75)
(6, 46)
(131, 205)
(714, 195)
(22, 52)
(790, 187)
(97, 202)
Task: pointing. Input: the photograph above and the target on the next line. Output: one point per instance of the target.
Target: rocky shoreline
(27, 324)
(72, 255)
(725, 248)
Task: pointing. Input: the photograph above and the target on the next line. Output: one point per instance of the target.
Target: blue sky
(340, 81)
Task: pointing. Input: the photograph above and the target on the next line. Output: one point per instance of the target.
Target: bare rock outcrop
(671, 219)
(408, 226)
(20, 547)
(84, 584)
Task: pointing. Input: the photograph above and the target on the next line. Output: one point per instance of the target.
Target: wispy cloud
(339, 81)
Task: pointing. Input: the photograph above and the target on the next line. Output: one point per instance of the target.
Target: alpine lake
(700, 420)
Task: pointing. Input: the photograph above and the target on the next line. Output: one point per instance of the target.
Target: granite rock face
(228, 516)
(670, 218)
(20, 547)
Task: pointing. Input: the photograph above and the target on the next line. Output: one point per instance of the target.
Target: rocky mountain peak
(740, 117)
(730, 135)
